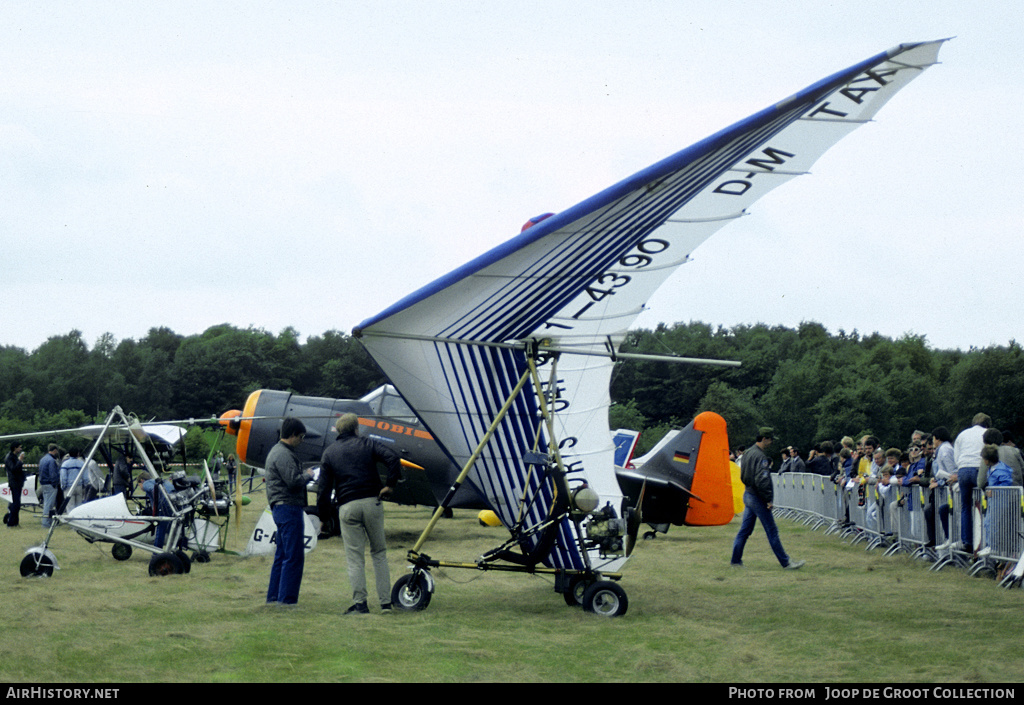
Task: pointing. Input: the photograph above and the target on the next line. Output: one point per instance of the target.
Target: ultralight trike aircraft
(184, 513)
(507, 360)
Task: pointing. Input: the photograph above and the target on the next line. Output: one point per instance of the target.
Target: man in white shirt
(967, 456)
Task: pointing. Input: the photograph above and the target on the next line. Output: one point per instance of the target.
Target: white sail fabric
(579, 279)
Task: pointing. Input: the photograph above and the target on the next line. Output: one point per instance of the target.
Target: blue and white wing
(578, 279)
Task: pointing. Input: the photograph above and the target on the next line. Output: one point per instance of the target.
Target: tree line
(808, 384)
(812, 386)
(166, 376)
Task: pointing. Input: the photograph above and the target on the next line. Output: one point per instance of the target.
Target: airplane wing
(575, 282)
(166, 433)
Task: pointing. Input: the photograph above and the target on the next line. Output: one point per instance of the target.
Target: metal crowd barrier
(896, 518)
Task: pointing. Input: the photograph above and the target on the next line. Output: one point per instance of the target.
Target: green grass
(847, 616)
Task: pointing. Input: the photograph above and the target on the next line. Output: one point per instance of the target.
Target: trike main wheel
(606, 599)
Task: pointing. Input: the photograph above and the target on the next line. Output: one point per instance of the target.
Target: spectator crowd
(980, 456)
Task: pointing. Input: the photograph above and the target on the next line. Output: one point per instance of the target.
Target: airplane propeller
(634, 518)
(209, 483)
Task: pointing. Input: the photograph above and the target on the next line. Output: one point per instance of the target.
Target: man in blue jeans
(755, 472)
(286, 495)
(49, 482)
(967, 455)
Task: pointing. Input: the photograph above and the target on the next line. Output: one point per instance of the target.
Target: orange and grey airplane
(684, 481)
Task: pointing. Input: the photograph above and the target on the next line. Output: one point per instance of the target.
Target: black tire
(606, 599)
(186, 562)
(121, 551)
(411, 592)
(200, 557)
(36, 565)
(165, 564)
(574, 595)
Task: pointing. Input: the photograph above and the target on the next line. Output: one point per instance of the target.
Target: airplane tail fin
(712, 480)
(688, 481)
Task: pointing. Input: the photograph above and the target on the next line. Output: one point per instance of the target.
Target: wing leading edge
(578, 279)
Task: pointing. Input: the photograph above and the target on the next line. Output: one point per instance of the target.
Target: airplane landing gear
(37, 565)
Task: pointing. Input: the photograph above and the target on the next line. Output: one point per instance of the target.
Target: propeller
(634, 518)
(209, 483)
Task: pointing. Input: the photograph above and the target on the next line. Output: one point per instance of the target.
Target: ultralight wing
(166, 433)
(575, 281)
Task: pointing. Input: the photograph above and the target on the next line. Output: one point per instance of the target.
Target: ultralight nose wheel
(412, 592)
(165, 564)
(36, 565)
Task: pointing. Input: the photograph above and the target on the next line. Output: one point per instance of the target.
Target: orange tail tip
(712, 480)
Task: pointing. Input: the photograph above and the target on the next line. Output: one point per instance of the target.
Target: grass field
(847, 616)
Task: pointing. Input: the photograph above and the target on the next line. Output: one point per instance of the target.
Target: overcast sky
(306, 164)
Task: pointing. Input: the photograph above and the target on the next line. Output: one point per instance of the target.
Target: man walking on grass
(755, 473)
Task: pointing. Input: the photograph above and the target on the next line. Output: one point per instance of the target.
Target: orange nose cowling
(245, 425)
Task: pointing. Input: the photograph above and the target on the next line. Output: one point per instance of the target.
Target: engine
(606, 531)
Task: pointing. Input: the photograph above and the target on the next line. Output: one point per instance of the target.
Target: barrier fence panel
(908, 522)
(922, 522)
(857, 511)
(947, 525)
(1001, 526)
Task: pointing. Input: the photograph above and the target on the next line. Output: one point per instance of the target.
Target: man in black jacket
(15, 481)
(350, 468)
(755, 472)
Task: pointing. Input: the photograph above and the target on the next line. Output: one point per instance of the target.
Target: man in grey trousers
(350, 468)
